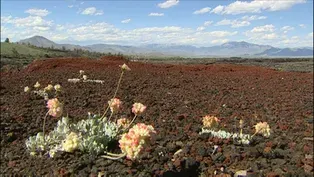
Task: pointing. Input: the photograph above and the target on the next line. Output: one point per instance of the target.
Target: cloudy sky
(280, 23)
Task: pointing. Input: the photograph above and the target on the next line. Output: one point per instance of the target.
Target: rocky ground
(177, 97)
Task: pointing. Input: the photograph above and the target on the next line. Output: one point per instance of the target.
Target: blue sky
(281, 23)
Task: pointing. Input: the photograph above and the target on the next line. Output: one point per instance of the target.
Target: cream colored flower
(210, 121)
(262, 128)
(138, 108)
(71, 142)
(125, 67)
(81, 72)
(26, 89)
(115, 104)
(37, 85)
(123, 122)
(57, 87)
(85, 77)
(48, 88)
(133, 142)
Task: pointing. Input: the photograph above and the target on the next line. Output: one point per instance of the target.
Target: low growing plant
(84, 78)
(210, 124)
(94, 134)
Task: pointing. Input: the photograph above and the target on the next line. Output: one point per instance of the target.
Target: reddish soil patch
(177, 97)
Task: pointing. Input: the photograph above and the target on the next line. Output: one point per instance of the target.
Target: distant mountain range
(229, 49)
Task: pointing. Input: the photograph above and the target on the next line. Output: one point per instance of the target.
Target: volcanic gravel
(177, 97)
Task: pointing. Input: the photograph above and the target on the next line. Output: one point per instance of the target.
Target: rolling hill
(229, 49)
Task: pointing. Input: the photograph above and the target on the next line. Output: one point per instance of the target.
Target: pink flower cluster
(123, 122)
(115, 104)
(133, 142)
(55, 107)
(210, 121)
(138, 108)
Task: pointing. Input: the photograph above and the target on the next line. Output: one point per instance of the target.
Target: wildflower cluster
(211, 122)
(83, 78)
(114, 104)
(71, 142)
(133, 142)
(138, 108)
(45, 92)
(123, 122)
(92, 135)
(55, 107)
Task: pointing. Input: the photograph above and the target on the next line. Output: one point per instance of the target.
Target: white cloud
(302, 25)
(27, 21)
(265, 28)
(92, 11)
(233, 23)
(60, 27)
(220, 34)
(207, 23)
(219, 41)
(310, 34)
(217, 10)
(126, 21)
(201, 28)
(269, 36)
(38, 12)
(159, 29)
(70, 6)
(262, 34)
(202, 11)
(285, 29)
(59, 37)
(94, 28)
(255, 6)
(6, 19)
(156, 14)
(168, 3)
(253, 17)
(41, 28)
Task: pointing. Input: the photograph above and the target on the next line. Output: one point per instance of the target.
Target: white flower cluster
(240, 138)
(84, 78)
(45, 92)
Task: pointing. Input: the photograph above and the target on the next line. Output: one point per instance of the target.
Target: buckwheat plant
(84, 78)
(46, 92)
(94, 134)
(209, 121)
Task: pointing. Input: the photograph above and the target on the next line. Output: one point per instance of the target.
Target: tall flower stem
(115, 93)
(119, 82)
(131, 121)
(110, 115)
(255, 134)
(112, 156)
(44, 125)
